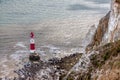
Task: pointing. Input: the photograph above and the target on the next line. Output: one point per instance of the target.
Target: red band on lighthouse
(32, 43)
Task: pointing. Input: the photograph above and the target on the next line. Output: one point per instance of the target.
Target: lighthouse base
(34, 57)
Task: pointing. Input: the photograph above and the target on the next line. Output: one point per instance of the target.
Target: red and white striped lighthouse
(33, 57)
(32, 43)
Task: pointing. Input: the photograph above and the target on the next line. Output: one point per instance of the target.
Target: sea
(34, 11)
(59, 27)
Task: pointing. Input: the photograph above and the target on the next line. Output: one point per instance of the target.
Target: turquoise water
(34, 11)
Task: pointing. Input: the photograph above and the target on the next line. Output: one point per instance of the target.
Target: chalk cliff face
(113, 31)
(108, 29)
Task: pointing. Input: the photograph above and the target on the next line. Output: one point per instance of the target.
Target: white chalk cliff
(108, 29)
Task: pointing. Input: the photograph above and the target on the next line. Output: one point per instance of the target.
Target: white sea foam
(20, 44)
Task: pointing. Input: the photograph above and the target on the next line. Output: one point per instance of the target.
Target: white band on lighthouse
(32, 41)
(32, 51)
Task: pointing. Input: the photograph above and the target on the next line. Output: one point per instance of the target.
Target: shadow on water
(83, 7)
(3, 1)
(0, 1)
(100, 1)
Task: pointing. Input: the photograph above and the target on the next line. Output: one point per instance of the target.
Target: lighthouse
(32, 43)
(33, 57)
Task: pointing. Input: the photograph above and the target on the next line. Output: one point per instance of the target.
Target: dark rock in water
(34, 57)
(54, 61)
(35, 72)
(69, 61)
